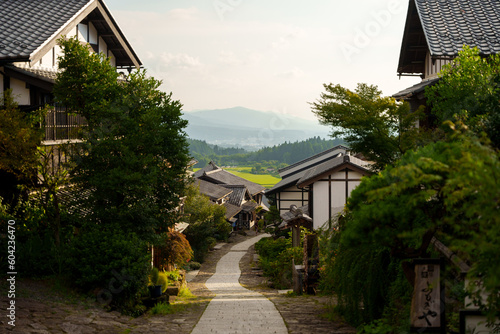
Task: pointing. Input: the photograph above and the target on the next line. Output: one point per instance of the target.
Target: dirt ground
(42, 307)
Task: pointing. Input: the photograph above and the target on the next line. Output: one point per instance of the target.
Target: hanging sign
(427, 307)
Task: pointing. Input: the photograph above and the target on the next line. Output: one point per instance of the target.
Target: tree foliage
(445, 189)
(469, 91)
(286, 153)
(378, 127)
(134, 153)
(19, 139)
(207, 222)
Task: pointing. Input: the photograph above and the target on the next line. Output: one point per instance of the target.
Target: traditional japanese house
(435, 32)
(286, 192)
(244, 199)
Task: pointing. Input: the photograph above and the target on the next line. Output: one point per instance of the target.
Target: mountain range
(250, 129)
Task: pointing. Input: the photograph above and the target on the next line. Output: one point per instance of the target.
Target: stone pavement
(236, 309)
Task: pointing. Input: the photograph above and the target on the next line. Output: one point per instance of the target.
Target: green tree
(380, 128)
(469, 91)
(207, 222)
(445, 189)
(134, 154)
(19, 138)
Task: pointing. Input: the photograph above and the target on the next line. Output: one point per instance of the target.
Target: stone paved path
(236, 309)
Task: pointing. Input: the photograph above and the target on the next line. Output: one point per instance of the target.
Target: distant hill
(277, 156)
(250, 129)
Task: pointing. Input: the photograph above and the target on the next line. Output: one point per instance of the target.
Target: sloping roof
(28, 29)
(291, 174)
(308, 162)
(443, 27)
(210, 167)
(415, 89)
(223, 177)
(212, 190)
(231, 210)
(296, 213)
(332, 164)
(43, 78)
(249, 206)
(238, 195)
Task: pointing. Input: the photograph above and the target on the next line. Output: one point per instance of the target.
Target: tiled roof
(227, 178)
(444, 27)
(44, 74)
(448, 25)
(231, 210)
(415, 89)
(26, 24)
(329, 165)
(327, 154)
(296, 213)
(212, 190)
(29, 28)
(238, 194)
(210, 167)
(249, 206)
(291, 174)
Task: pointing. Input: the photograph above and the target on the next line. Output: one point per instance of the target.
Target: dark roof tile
(25, 24)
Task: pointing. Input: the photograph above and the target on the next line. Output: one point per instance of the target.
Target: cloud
(180, 60)
(294, 73)
(183, 14)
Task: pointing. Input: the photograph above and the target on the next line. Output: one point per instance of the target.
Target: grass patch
(185, 293)
(166, 308)
(265, 180)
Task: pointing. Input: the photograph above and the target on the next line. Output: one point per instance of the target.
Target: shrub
(174, 250)
(114, 266)
(193, 266)
(276, 260)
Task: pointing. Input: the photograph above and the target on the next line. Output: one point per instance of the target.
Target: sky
(268, 55)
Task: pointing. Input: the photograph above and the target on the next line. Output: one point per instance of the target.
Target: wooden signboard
(427, 306)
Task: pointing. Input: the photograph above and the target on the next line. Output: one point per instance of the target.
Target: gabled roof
(443, 27)
(296, 213)
(210, 167)
(213, 173)
(213, 191)
(231, 210)
(238, 195)
(29, 29)
(315, 159)
(319, 171)
(291, 174)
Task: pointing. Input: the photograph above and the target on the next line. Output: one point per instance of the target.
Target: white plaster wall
(338, 175)
(112, 59)
(355, 175)
(93, 38)
(338, 194)
(82, 32)
(20, 92)
(290, 195)
(320, 204)
(46, 60)
(72, 33)
(102, 46)
(352, 185)
(58, 53)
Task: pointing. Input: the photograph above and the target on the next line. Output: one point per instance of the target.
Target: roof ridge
(312, 157)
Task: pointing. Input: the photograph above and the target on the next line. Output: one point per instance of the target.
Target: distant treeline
(280, 155)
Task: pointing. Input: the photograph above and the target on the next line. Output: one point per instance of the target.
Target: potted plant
(155, 287)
